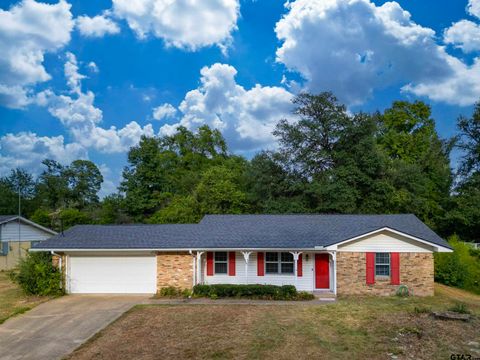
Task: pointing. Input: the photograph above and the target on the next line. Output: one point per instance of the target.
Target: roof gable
(9, 218)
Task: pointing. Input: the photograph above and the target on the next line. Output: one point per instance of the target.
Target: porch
(312, 271)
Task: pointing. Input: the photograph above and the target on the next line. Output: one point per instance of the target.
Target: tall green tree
(162, 168)
(19, 185)
(470, 141)
(84, 182)
(419, 166)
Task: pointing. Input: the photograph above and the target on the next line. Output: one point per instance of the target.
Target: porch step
(324, 295)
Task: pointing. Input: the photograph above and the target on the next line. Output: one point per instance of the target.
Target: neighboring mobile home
(340, 254)
(17, 234)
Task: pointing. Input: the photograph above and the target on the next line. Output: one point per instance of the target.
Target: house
(340, 254)
(17, 234)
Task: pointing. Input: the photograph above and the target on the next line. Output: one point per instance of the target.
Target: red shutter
(395, 268)
(370, 268)
(260, 264)
(231, 263)
(299, 266)
(209, 263)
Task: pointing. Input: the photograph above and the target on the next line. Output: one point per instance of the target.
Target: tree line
(329, 161)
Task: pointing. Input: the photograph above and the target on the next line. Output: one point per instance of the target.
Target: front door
(322, 271)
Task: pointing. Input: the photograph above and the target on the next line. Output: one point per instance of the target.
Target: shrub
(173, 292)
(460, 308)
(460, 268)
(402, 291)
(253, 291)
(422, 310)
(36, 275)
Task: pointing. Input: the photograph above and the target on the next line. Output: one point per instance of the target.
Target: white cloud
(27, 150)
(28, 30)
(188, 24)
(72, 75)
(81, 117)
(473, 8)
(463, 88)
(165, 111)
(246, 117)
(97, 26)
(93, 67)
(463, 34)
(354, 47)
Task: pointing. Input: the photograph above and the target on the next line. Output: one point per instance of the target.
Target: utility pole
(19, 214)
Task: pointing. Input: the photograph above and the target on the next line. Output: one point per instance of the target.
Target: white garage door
(112, 274)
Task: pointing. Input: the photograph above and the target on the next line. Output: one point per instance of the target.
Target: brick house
(338, 254)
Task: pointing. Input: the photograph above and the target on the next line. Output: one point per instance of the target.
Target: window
(382, 264)
(279, 263)
(221, 262)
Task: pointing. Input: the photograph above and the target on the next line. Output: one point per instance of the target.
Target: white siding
(10, 232)
(303, 283)
(385, 241)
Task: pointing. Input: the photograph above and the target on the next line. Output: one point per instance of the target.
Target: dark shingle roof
(240, 231)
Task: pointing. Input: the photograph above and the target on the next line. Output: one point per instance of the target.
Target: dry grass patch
(13, 301)
(370, 327)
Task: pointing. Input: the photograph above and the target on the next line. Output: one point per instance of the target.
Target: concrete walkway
(54, 329)
(206, 301)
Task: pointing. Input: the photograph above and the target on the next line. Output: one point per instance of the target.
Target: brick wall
(416, 272)
(174, 269)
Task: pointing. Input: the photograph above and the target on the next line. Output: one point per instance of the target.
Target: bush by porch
(251, 291)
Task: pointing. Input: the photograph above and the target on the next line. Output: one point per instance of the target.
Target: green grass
(13, 301)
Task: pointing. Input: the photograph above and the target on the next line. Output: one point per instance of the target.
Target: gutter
(171, 249)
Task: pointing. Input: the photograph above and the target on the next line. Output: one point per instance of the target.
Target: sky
(86, 79)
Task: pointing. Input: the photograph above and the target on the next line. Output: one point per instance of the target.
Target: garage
(111, 274)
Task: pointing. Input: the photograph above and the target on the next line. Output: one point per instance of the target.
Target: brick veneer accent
(174, 269)
(416, 272)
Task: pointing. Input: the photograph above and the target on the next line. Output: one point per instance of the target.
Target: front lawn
(13, 301)
(352, 328)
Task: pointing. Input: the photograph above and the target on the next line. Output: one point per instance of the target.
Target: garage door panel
(123, 275)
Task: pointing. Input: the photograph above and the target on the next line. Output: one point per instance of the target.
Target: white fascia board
(436, 247)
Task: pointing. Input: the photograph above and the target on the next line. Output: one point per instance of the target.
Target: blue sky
(85, 79)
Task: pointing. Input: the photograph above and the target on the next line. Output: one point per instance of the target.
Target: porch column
(296, 255)
(334, 258)
(199, 267)
(246, 256)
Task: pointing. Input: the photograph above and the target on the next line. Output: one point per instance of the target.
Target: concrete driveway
(54, 329)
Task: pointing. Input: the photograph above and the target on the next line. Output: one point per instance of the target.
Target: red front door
(322, 271)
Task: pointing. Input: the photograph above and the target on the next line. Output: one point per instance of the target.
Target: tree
(111, 211)
(307, 145)
(42, 217)
(219, 191)
(470, 141)
(72, 217)
(53, 185)
(181, 210)
(419, 166)
(84, 181)
(19, 185)
(162, 168)
(356, 182)
(273, 189)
